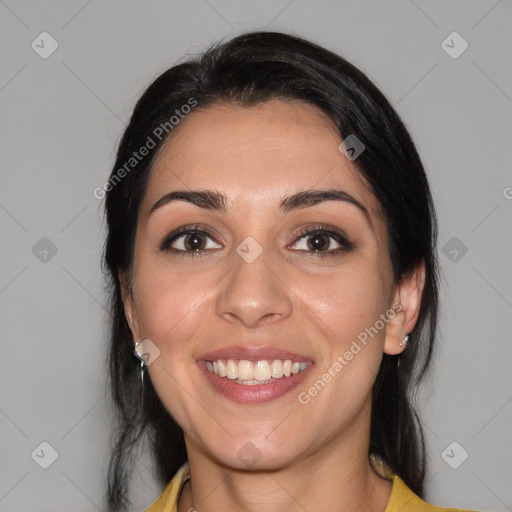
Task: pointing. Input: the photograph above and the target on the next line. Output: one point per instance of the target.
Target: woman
(271, 246)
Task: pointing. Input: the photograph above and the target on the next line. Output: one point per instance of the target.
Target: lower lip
(256, 393)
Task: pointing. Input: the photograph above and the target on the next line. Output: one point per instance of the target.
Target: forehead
(268, 150)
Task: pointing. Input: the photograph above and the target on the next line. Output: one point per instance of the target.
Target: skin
(315, 456)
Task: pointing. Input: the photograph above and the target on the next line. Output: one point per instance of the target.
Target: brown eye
(189, 240)
(318, 242)
(194, 242)
(323, 241)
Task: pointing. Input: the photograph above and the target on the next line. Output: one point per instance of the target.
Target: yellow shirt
(402, 498)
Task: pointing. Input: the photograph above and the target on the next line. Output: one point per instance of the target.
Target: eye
(319, 240)
(322, 241)
(189, 241)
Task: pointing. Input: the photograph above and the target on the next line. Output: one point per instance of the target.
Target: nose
(253, 293)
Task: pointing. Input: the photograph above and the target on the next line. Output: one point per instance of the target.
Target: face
(262, 270)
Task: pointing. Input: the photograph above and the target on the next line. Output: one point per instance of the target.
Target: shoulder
(404, 500)
(167, 502)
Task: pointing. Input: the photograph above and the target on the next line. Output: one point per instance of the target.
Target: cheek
(344, 308)
(172, 309)
(171, 305)
(347, 302)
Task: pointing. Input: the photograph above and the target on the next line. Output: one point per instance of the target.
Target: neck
(335, 478)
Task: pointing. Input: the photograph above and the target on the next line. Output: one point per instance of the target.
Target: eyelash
(338, 236)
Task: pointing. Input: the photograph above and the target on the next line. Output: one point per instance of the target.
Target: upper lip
(252, 353)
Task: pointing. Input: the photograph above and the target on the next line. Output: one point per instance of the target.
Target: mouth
(254, 375)
(248, 372)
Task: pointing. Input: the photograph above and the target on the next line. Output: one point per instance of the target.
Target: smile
(248, 372)
(255, 383)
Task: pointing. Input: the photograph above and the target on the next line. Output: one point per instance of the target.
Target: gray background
(61, 119)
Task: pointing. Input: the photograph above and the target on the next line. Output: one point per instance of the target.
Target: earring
(141, 357)
(404, 341)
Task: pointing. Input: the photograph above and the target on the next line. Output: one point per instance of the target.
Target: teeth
(262, 371)
(277, 369)
(252, 382)
(222, 369)
(231, 370)
(245, 370)
(255, 372)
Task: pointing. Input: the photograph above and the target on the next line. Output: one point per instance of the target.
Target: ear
(407, 303)
(129, 306)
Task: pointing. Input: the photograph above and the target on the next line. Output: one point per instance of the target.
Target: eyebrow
(214, 200)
